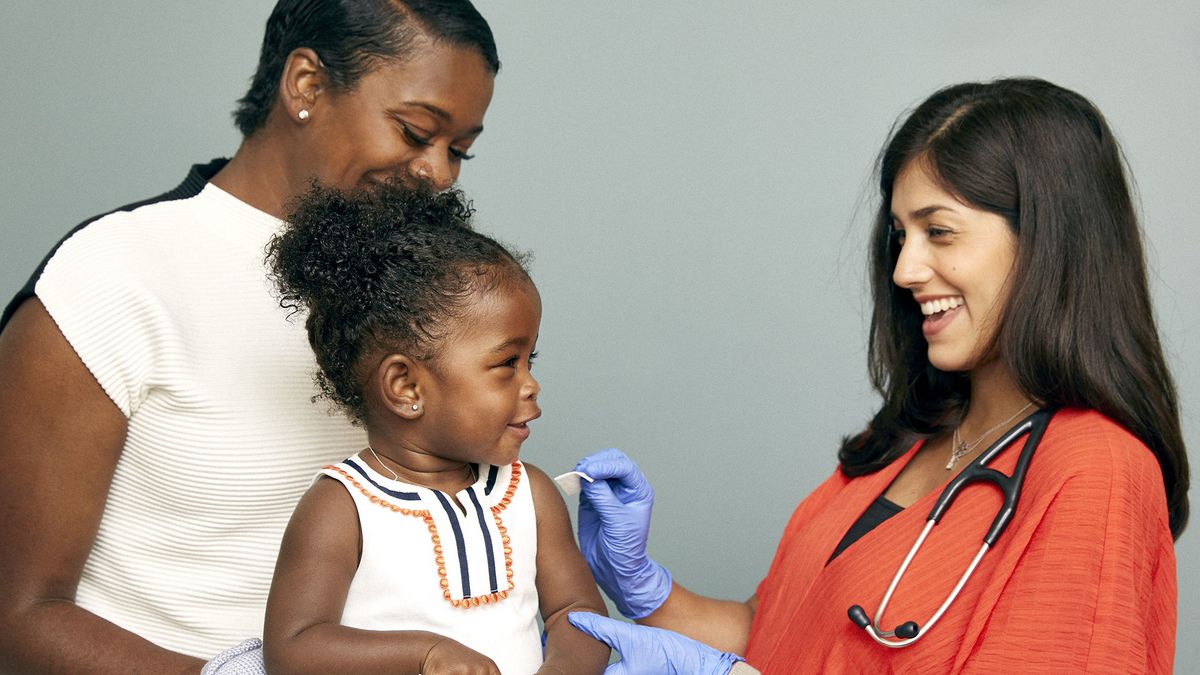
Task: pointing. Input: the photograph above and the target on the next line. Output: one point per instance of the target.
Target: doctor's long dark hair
(1078, 330)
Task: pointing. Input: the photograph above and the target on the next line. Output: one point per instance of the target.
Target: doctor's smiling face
(955, 259)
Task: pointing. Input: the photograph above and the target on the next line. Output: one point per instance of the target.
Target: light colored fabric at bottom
(244, 659)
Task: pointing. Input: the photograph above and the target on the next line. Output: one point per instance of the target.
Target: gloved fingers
(621, 667)
(599, 496)
(610, 463)
(616, 634)
(653, 651)
(602, 456)
(617, 469)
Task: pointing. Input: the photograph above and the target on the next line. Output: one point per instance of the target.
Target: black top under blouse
(880, 510)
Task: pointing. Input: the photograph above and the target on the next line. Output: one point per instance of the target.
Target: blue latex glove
(614, 523)
(652, 651)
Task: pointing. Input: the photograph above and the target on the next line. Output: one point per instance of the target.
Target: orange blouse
(1083, 579)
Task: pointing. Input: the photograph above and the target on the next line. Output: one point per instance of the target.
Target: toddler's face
(482, 395)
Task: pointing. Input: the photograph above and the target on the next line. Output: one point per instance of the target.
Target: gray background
(694, 179)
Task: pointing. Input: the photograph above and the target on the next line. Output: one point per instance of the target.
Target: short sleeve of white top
(170, 308)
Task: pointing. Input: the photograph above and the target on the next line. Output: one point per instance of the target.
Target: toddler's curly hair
(381, 270)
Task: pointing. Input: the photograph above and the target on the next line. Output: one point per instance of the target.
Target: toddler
(434, 549)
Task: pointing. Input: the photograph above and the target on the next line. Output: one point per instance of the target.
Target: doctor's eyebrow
(924, 212)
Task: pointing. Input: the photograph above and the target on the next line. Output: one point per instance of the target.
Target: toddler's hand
(450, 657)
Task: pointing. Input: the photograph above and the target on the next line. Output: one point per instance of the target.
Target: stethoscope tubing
(978, 470)
(962, 581)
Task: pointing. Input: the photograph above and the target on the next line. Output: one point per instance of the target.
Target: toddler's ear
(398, 380)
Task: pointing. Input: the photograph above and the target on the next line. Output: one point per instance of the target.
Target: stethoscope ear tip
(859, 616)
(904, 631)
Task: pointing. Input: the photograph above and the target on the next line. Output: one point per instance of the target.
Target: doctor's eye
(896, 235)
(532, 357)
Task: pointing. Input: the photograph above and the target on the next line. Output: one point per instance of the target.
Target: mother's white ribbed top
(170, 308)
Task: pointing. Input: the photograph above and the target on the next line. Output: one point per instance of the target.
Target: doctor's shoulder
(1088, 455)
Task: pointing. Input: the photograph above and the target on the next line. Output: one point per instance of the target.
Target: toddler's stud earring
(303, 114)
(416, 407)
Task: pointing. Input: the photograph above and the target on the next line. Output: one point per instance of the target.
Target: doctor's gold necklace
(960, 448)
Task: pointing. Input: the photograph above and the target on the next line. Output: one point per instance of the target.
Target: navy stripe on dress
(452, 513)
(487, 540)
(493, 471)
(406, 496)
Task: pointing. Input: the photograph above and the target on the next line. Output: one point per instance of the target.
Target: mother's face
(413, 119)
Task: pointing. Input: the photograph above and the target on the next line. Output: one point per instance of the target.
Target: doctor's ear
(399, 381)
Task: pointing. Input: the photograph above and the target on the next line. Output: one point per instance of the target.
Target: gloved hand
(652, 651)
(614, 523)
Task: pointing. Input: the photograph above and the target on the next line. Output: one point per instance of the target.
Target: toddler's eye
(532, 357)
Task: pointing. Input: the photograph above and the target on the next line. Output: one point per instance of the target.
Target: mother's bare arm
(60, 438)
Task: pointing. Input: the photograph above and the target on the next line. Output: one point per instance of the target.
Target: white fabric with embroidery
(463, 589)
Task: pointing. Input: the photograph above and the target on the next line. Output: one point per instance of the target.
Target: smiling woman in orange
(156, 401)
(1009, 287)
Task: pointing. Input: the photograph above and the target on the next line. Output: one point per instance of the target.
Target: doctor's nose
(911, 268)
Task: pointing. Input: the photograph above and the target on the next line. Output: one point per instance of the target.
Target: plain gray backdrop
(694, 179)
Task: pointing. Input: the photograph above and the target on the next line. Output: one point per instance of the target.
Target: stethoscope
(978, 470)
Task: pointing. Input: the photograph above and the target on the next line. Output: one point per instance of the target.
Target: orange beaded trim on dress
(438, 557)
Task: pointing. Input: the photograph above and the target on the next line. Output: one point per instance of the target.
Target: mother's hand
(614, 525)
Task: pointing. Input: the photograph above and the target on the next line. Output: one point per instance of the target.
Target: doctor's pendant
(959, 452)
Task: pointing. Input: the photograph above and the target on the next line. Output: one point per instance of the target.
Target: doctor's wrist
(645, 592)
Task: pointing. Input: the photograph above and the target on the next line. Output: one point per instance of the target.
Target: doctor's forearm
(723, 624)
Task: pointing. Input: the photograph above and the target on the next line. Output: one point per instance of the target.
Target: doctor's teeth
(940, 305)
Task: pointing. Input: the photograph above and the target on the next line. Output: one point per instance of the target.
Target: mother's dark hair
(351, 37)
(1078, 330)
